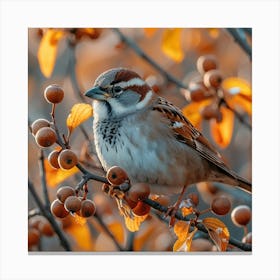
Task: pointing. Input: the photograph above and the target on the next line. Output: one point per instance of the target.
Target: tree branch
(90, 176)
(64, 242)
(43, 179)
(148, 59)
(236, 33)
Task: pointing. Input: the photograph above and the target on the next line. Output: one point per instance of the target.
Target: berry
(87, 208)
(211, 112)
(105, 188)
(131, 204)
(63, 192)
(33, 237)
(53, 159)
(206, 63)
(72, 203)
(67, 159)
(247, 238)
(138, 192)
(35, 221)
(58, 209)
(53, 94)
(116, 175)
(194, 198)
(213, 78)
(141, 208)
(36, 125)
(46, 229)
(221, 205)
(241, 215)
(45, 137)
(197, 92)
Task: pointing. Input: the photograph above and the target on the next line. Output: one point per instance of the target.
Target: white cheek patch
(130, 83)
(145, 101)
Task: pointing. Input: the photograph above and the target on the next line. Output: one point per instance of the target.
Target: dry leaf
(192, 111)
(218, 232)
(222, 131)
(117, 230)
(241, 101)
(186, 211)
(79, 113)
(171, 44)
(56, 176)
(235, 85)
(80, 232)
(48, 50)
(149, 32)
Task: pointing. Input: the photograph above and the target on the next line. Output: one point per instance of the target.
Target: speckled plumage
(149, 137)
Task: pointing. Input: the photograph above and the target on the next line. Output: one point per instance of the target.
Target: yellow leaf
(133, 223)
(192, 111)
(189, 240)
(171, 44)
(242, 101)
(218, 232)
(48, 50)
(149, 32)
(79, 113)
(186, 211)
(117, 230)
(181, 229)
(235, 85)
(56, 176)
(81, 234)
(222, 131)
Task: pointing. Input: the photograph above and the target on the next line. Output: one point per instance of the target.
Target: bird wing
(186, 133)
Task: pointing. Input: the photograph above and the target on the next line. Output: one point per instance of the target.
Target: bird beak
(97, 94)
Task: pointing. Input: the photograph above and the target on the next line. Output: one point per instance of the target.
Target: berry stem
(43, 179)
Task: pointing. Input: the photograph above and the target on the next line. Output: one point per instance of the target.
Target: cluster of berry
(69, 202)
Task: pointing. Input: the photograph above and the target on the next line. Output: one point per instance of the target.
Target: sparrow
(150, 138)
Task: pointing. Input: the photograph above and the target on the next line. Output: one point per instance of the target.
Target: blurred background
(73, 58)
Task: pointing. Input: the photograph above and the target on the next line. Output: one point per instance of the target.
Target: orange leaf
(171, 44)
(186, 211)
(184, 241)
(118, 231)
(48, 50)
(56, 176)
(81, 234)
(192, 111)
(149, 32)
(133, 223)
(79, 113)
(222, 131)
(241, 101)
(218, 232)
(235, 85)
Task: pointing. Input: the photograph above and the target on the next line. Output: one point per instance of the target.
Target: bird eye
(117, 89)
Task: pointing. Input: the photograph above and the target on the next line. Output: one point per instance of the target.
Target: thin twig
(90, 176)
(200, 226)
(64, 243)
(240, 40)
(105, 228)
(147, 58)
(43, 179)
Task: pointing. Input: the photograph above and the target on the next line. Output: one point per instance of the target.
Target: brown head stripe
(142, 90)
(125, 75)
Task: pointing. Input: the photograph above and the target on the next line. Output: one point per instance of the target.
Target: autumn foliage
(73, 203)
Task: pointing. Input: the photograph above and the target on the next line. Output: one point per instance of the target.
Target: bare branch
(147, 58)
(236, 33)
(64, 242)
